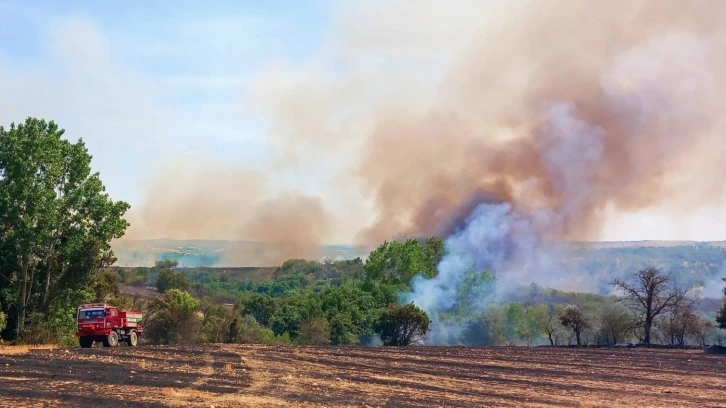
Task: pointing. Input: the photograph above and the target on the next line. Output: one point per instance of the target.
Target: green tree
(351, 311)
(3, 321)
(287, 319)
(215, 325)
(248, 330)
(527, 327)
(168, 279)
(547, 321)
(572, 317)
(105, 285)
(435, 249)
(614, 324)
(402, 325)
(314, 331)
(721, 315)
(172, 318)
(166, 264)
(56, 221)
(261, 307)
(397, 263)
(474, 292)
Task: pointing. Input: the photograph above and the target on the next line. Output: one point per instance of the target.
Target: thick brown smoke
(580, 107)
(228, 202)
(643, 77)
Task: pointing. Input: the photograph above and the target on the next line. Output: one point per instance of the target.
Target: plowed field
(259, 376)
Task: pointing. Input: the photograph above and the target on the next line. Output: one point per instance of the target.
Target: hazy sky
(162, 83)
(145, 83)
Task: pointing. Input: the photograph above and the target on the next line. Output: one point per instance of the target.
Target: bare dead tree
(650, 294)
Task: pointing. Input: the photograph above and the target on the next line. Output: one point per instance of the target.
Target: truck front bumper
(93, 333)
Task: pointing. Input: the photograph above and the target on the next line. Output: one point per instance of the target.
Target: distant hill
(588, 266)
(592, 266)
(641, 244)
(218, 253)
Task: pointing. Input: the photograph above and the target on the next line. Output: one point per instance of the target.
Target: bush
(173, 318)
(215, 325)
(248, 330)
(168, 279)
(50, 329)
(314, 332)
(282, 339)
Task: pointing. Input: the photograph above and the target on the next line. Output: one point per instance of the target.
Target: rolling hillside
(217, 253)
(584, 266)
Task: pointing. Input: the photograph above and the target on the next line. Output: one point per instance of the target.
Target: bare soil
(285, 376)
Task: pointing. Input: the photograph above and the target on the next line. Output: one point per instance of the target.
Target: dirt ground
(282, 376)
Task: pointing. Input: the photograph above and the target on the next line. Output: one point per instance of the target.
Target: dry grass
(25, 348)
(170, 392)
(184, 398)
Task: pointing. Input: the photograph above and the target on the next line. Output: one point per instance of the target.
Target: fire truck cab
(99, 322)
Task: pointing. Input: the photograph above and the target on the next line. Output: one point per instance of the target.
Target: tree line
(57, 222)
(294, 307)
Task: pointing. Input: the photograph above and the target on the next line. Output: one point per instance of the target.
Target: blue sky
(240, 84)
(186, 63)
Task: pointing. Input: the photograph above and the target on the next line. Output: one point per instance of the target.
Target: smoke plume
(609, 118)
(508, 127)
(574, 108)
(231, 203)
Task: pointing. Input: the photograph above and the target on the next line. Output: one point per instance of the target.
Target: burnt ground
(286, 376)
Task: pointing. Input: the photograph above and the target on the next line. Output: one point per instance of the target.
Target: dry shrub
(25, 348)
(314, 332)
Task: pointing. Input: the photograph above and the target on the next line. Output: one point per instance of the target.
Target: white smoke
(495, 238)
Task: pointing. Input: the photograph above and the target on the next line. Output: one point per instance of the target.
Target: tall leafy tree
(398, 262)
(56, 221)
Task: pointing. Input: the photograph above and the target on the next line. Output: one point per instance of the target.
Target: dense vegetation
(56, 224)
(354, 302)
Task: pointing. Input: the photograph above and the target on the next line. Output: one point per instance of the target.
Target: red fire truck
(104, 323)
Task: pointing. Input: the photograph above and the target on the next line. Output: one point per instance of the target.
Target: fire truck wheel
(86, 341)
(111, 340)
(133, 339)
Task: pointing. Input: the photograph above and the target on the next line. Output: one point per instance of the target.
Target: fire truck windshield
(91, 314)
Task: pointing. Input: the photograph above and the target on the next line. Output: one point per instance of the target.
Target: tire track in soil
(509, 377)
(206, 371)
(338, 376)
